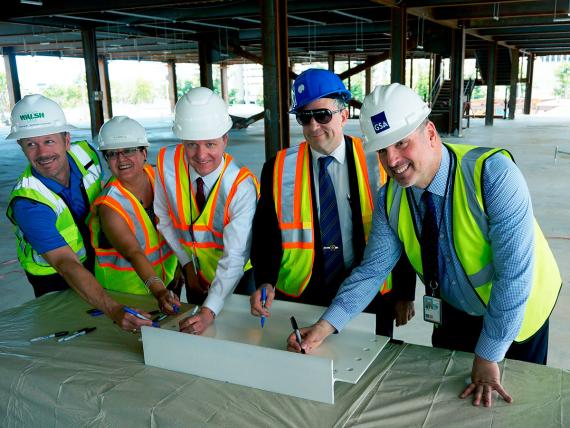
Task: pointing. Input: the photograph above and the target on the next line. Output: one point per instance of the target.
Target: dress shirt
(338, 171)
(236, 234)
(511, 235)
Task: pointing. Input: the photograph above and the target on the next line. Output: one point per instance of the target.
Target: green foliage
(421, 83)
(478, 93)
(70, 95)
(184, 87)
(143, 92)
(232, 96)
(562, 74)
(4, 100)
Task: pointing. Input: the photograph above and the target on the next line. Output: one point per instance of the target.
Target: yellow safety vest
(292, 190)
(471, 241)
(200, 234)
(112, 270)
(30, 187)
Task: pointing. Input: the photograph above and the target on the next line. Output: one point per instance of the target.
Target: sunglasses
(114, 154)
(321, 115)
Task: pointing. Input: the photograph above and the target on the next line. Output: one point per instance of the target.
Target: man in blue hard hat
(315, 209)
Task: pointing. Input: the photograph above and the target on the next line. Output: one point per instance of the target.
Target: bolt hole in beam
(236, 349)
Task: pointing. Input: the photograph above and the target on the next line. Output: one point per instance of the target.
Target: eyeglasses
(114, 154)
(321, 115)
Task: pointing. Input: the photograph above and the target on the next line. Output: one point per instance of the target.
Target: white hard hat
(36, 115)
(389, 114)
(201, 115)
(122, 132)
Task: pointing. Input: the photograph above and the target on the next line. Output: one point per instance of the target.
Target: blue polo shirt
(37, 221)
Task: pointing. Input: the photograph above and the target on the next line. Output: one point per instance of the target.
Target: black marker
(297, 332)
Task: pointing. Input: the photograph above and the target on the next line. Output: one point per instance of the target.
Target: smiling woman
(131, 256)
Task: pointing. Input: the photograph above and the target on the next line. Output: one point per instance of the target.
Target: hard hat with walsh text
(122, 132)
(35, 116)
(316, 83)
(389, 114)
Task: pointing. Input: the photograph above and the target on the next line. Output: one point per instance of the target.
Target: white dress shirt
(236, 234)
(338, 171)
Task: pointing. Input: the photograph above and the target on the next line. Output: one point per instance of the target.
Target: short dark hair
(338, 100)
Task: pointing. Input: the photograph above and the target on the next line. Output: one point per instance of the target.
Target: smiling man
(315, 210)
(205, 203)
(464, 217)
(49, 205)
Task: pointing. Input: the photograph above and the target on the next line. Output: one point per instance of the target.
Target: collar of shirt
(210, 179)
(439, 182)
(339, 154)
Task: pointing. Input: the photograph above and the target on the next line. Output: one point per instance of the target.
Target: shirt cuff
(336, 316)
(214, 303)
(183, 258)
(492, 349)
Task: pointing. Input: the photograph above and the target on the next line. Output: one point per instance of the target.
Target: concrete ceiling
(171, 30)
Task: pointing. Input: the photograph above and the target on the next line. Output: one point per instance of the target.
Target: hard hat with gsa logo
(316, 83)
(389, 114)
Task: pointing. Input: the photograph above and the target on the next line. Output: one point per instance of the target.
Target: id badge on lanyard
(432, 305)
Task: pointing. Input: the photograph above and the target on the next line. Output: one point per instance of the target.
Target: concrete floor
(531, 139)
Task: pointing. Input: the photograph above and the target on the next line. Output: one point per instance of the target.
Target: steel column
(514, 80)
(172, 84)
(367, 81)
(398, 46)
(205, 61)
(529, 79)
(490, 105)
(457, 58)
(106, 87)
(12, 79)
(331, 62)
(224, 82)
(275, 75)
(94, 92)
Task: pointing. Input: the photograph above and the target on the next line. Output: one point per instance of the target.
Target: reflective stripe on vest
(28, 186)
(112, 270)
(471, 242)
(200, 234)
(292, 195)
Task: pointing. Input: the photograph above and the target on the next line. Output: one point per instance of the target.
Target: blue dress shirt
(511, 234)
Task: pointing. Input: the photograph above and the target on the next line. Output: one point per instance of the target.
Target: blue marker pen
(263, 300)
(139, 316)
(175, 308)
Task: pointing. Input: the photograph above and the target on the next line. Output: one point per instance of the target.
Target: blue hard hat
(316, 83)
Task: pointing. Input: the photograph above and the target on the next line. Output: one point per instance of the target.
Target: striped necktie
(330, 225)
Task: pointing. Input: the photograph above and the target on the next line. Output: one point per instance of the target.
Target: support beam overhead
(275, 76)
(398, 49)
(94, 92)
(12, 79)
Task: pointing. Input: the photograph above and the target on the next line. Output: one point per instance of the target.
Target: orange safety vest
(112, 270)
(200, 233)
(293, 204)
